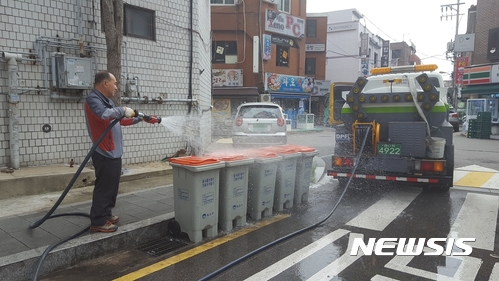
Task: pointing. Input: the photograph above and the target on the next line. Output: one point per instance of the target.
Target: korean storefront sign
(289, 84)
(227, 77)
(285, 24)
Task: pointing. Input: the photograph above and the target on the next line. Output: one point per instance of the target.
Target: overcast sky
(402, 20)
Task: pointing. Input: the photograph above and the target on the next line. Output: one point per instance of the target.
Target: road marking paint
(297, 256)
(339, 264)
(495, 272)
(382, 278)
(467, 269)
(198, 250)
(382, 213)
(474, 179)
(493, 182)
(477, 168)
(458, 175)
(466, 225)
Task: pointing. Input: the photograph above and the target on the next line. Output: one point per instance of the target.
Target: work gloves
(130, 112)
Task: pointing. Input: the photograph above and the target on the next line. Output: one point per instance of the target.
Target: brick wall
(162, 67)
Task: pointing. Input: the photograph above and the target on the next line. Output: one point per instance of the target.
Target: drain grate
(161, 246)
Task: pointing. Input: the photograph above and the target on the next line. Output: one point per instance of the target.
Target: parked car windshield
(259, 111)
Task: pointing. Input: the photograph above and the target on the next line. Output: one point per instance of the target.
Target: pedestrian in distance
(100, 111)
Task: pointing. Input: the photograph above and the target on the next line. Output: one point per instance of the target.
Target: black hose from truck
(275, 242)
(63, 195)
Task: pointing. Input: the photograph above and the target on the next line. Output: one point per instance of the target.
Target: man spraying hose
(100, 111)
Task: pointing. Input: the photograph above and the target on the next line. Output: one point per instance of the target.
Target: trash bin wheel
(174, 228)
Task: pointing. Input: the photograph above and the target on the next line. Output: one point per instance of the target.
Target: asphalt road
(323, 252)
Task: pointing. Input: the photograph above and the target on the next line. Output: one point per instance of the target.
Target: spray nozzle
(149, 118)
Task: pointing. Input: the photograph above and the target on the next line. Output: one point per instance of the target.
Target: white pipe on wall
(13, 110)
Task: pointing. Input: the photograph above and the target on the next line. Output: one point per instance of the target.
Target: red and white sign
(461, 63)
(285, 24)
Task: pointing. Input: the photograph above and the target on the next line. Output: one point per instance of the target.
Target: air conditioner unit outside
(265, 98)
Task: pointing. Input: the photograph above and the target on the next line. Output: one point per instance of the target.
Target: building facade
(315, 66)
(51, 51)
(403, 54)
(259, 54)
(479, 73)
(352, 50)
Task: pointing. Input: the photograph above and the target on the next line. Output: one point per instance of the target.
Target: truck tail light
(343, 161)
(430, 166)
(239, 121)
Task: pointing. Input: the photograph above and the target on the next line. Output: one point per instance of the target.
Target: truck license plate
(389, 148)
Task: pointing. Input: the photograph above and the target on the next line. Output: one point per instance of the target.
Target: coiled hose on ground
(58, 202)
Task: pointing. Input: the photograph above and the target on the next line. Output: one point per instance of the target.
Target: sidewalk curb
(37, 184)
(22, 266)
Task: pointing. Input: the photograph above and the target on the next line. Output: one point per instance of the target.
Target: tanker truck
(395, 128)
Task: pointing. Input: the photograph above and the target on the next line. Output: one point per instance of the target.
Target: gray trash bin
(196, 182)
(261, 184)
(285, 177)
(233, 189)
(303, 173)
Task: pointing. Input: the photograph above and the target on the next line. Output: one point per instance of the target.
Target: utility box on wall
(73, 73)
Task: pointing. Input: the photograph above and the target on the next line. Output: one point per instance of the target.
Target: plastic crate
(484, 116)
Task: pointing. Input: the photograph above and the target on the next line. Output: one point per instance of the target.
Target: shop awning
(481, 89)
(235, 91)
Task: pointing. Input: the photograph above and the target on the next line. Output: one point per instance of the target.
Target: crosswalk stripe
(297, 256)
(474, 179)
(495, 273)
(382, 213)
(466, 225)
(339, 264)
(493, 182)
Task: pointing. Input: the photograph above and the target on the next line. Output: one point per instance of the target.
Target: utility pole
(451, 8)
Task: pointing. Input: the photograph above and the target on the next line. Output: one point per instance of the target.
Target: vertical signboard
(461, 63)
(267, 44)
(364, 66)
(364, 44)
(385, 53)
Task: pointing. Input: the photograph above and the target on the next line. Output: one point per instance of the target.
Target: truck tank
(386, 99)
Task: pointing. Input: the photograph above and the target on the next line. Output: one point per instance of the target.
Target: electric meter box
(74, 73)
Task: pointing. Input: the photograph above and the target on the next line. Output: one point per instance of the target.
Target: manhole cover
(161, 246)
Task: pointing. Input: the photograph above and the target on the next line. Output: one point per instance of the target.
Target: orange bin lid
(194, 160)
(258, 153)
(299, 148)
(227, 156)
(280, 149)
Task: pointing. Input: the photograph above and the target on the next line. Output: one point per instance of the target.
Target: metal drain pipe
(13, 100)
